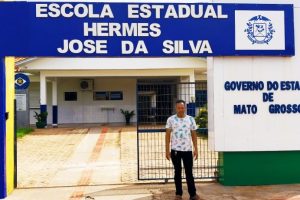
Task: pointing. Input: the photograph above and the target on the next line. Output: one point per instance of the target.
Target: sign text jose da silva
(138, 29)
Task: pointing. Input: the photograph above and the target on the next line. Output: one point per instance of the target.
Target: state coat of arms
(260, 30)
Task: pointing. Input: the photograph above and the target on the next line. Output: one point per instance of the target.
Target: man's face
(180, 108)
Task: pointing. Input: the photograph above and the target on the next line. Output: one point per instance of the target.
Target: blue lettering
(245, 109)
(268, 97)
(272, 85)
(284, 108)
(244, 85)
(289, 85)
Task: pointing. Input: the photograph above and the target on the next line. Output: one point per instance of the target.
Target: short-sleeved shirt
(181, 139)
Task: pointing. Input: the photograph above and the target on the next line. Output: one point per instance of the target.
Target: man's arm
(194, 138)
(168, 137)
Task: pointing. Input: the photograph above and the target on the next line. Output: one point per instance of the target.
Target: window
(116, 95)
(108, 95)
(70, 96)
(101, 95)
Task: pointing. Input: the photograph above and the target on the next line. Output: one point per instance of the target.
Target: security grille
(155, 103)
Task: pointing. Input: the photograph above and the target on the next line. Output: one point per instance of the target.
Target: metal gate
(155, 103)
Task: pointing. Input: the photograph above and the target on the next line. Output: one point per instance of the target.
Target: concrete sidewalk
(100, 162)
(207, 191)
(69, 157)
(45, 153)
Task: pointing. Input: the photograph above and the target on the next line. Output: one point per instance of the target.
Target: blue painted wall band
(43, 108)
(3, 192)
(54, 114)
(191, 109)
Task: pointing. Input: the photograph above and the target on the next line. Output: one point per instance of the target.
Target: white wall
(262, 131)
(86, 110)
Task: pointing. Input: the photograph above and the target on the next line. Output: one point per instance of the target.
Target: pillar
(191, 105)
(43, 93)
(192, 88)
(3, 190)
(187, 92)
(183, 92)
(54, 103)
(10, 129)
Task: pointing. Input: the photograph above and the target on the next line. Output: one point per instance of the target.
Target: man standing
(181, 132)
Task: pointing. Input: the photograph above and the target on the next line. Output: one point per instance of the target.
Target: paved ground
(93, 155)
(69, 157)
(100, 161)
(42, 154)
(208, 191)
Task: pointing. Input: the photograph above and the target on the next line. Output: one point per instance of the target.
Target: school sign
(253, 69)
(139, 29)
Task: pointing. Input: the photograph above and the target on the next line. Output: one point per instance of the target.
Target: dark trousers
(187, 158)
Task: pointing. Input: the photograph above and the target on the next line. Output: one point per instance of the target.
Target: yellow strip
(10, 95)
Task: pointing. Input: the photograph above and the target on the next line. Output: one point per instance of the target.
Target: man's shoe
(178, 197)
(196, 197)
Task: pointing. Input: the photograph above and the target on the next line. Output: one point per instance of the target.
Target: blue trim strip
(3, 192)
(151, 130)
(54, 114)
(191, 109)
(43, 108)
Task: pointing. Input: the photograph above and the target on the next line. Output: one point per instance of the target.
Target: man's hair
(180, 101)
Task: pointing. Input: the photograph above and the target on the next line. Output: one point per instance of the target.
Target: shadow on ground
(207, 191)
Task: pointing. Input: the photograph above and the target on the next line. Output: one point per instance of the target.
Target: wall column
(43, 93)
(187, 92)
(3, 190)
(191, 105)
(192, 88)
(10, 129)
(183, 92)
(54, 103)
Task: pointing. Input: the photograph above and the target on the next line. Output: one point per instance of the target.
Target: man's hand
(194, 138)
(168, 155)
(196, 154)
